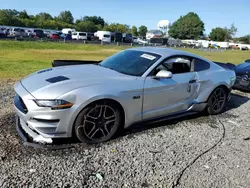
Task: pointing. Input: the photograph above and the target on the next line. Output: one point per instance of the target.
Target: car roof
(165, 52)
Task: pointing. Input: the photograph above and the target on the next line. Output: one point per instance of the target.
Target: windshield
(106, 36)
(130, 62)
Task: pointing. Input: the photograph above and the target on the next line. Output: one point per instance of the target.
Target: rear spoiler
(225, 65)
(58, 63)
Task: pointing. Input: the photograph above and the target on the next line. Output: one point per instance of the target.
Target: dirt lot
(211, 151)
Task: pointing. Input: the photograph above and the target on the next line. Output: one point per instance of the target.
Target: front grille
(20, 104)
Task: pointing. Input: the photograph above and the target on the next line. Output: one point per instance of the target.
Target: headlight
(54, 104)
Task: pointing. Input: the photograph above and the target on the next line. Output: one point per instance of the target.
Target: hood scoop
(57, 79)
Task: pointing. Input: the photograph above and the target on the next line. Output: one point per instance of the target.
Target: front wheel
(98, 122)
(217, 101)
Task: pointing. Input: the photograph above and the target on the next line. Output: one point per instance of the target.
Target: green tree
(23, 15)
(86, 26)
(9, 17)
(111, 27)
(218, 34)
(116, 27)
(106, 27)
(134, 31)
(122, 28)
(65, 16)
(189, 26)
(97, 20)
(143, 30)
(231, 32)
(245, 39)
(43, 16)
(29, 22)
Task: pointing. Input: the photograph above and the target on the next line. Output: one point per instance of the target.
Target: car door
(165, 96)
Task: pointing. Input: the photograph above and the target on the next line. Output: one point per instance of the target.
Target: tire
(98, 122)
(217, 101)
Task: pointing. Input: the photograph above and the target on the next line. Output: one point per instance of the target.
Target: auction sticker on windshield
(147, 56)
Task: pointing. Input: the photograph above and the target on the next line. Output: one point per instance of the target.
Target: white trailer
(104, 36)
(68, 30)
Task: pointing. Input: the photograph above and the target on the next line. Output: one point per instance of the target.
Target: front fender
(87, 95)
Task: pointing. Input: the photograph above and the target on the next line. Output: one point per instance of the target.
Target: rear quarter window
(200, 65)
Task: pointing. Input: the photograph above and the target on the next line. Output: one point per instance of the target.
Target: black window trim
(203, 61)
(173, 56)
(184, 56)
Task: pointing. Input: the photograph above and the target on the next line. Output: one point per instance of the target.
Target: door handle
(192, 81)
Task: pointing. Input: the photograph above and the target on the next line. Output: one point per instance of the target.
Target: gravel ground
(197, 151)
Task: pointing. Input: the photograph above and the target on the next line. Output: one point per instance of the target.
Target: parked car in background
(135, 40)
(2, 34)
(118, 37)
(94, 101)
(141, 41)
(79, 36)
(90, 36)
(18, 32)
(54, 36)
(127, 37)
(37, 33)
(244, 48)
(29, 32)
(242, 72)
(6, 31)
(104, 36)
(66, 36)
(46, 33)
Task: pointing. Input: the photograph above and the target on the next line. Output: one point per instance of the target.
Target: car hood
(54, 82)
(243, 68)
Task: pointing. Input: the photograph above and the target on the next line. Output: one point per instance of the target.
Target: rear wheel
(217, 101)
(98, 122)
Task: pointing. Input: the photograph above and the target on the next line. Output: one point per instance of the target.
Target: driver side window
(176, 65)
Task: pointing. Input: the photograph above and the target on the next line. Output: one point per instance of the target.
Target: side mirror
(163, 74)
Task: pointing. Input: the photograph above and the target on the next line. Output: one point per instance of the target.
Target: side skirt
(194, 109)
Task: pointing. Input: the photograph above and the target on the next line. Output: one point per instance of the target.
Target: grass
(18, 58)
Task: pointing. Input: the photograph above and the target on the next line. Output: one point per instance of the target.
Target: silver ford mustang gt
(93, 102)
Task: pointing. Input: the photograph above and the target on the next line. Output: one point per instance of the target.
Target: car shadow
(237, 99)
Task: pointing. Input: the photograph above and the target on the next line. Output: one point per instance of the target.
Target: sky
(214, 13)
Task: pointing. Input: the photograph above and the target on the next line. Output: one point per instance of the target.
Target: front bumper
(39, 124)
(27, 136)
(241, 87)
(241, 84)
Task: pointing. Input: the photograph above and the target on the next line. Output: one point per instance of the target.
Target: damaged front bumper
(32, 139)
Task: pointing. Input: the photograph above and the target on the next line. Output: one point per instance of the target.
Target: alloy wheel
(98, 122)
(218, 99)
